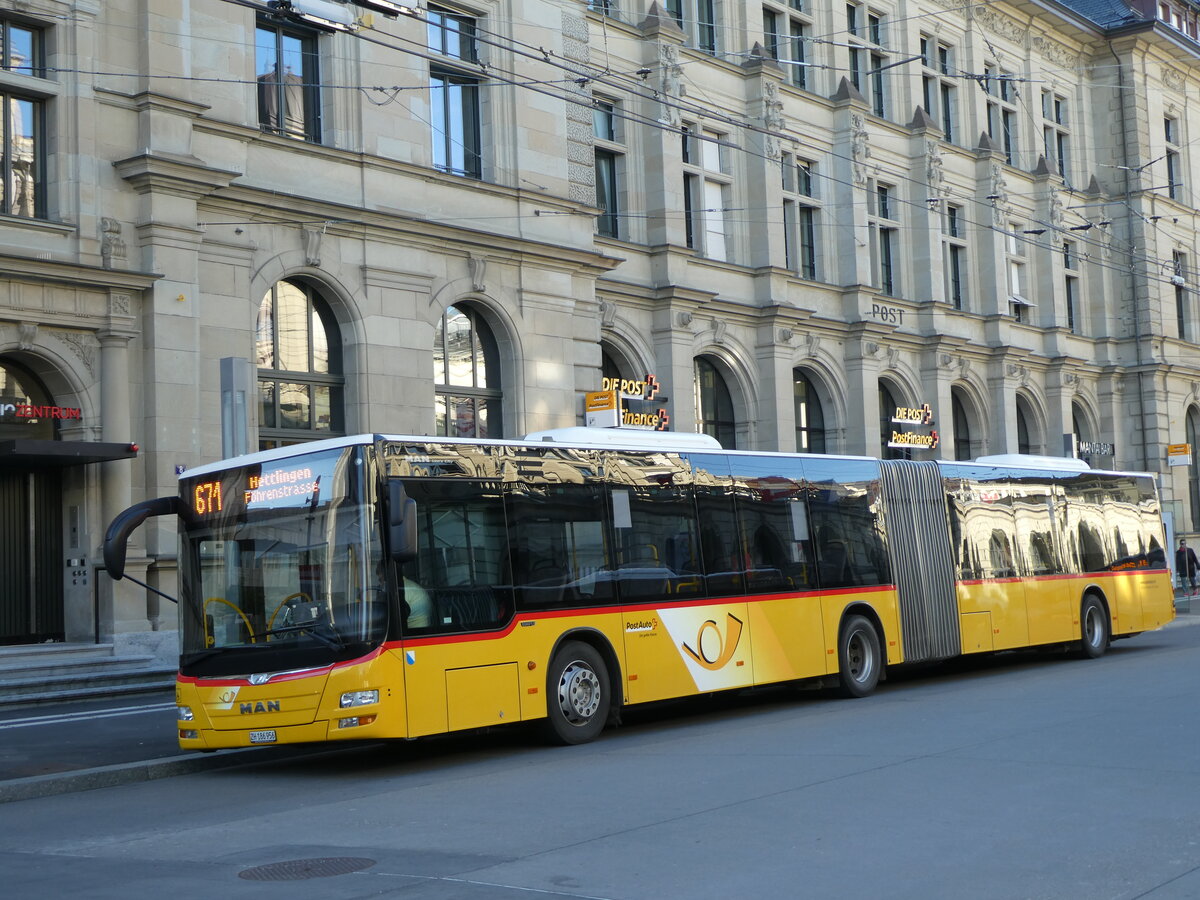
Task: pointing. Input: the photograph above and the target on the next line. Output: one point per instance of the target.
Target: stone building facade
(459, 218)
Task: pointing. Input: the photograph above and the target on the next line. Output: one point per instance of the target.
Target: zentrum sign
(33, 412)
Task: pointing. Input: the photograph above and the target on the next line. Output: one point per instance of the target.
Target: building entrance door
(31, 557)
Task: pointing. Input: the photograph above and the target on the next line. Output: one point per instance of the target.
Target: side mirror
(119, 530)
(402, 523)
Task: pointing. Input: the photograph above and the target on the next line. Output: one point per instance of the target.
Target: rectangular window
(1017, 285)
(1056, 136)
(885, 240)
(939, 92)
(454, 93)
(1071, 285)
(698, 20)
(21, 49)
(801, 215)
(610, 160)
(1174, 170)
(23, 189)
(288, 82)
(1183, 317)
(785, 34)
(954, 257)
(706, 187)
(1002, 112)
(867, 32)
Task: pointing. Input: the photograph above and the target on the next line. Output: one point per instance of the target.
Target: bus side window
(721, 561)
(455, 584)
(850, 547)
(558, 552)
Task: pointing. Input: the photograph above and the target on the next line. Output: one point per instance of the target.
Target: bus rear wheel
(859, 659)
(1093, 628)
(579, 695)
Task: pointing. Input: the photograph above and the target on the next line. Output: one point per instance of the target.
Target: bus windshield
(283, 565)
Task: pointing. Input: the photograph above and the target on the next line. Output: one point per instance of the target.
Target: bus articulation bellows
(392, 586)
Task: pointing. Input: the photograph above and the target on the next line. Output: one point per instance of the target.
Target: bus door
(1039, 511)
(677, 642)
(991, 593)
(455, 605)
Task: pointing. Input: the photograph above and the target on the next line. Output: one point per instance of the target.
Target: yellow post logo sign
(714, 651)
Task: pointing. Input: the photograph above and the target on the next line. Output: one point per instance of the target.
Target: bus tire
(1094, 631)
(860, 660)
(578, 695)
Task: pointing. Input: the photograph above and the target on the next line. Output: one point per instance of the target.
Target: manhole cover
(300, 869)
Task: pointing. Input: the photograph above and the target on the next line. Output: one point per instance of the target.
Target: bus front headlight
(358, 698)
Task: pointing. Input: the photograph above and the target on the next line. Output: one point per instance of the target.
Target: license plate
(262, 737)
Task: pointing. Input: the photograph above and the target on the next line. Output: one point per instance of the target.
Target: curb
(36, 786)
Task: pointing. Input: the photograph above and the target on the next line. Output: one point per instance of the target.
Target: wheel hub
(579, 693)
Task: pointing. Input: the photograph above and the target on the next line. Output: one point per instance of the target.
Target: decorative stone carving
(1052, 51)
(1173, 78)
(934, 174)
(683, 319)
(893, 357)
(112, 247)
(860, 147)
(813, 340)
(608, 313)
(1058, 210)
(773, 120)
(83, 346)
(999, 196)
(1019, 373)
(998, 23)
(120, 305)
(784, 335)
(670, 84)
(312, 246)
(28, 332)
(870, 349)
(719, 328)
(477, 266)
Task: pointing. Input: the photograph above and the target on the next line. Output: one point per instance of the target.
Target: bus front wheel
(859, 658)
(579, 694)
(1093, 628)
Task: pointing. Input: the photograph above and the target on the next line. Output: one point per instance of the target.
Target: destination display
(298, 482)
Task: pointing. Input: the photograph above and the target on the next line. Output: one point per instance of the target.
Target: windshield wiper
(334, 642)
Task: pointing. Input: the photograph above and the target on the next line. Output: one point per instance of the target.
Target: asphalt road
(1016, 777)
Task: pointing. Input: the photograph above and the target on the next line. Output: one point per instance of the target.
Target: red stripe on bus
(435, 640)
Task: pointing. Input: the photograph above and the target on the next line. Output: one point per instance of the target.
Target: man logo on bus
(712, 652)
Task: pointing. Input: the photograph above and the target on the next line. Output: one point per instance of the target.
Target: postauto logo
(713, 650)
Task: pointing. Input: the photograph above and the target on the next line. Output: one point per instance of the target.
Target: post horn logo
(724, 647)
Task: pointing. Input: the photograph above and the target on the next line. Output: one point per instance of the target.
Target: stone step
(48, 673)
(82, 666)
(35, 653)
(18, 691)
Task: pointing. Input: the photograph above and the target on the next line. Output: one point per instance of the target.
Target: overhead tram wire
(730, 119)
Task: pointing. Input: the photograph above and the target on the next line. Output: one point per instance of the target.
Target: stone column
(123, 605)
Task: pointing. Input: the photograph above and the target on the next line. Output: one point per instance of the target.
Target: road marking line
(66, 718)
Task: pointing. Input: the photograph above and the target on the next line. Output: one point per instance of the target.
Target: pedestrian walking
(1186, 565)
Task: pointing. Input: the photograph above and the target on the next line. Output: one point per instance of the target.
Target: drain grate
(301, 869)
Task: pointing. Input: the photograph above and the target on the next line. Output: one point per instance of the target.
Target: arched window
(466, 375)
(300, 383)
(714, 405)
(1024, 433)
(20, 390)
(1193, 437)
(962, 427)
(887, 409)
(810, 417)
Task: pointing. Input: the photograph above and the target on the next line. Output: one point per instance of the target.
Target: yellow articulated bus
(393, 587)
